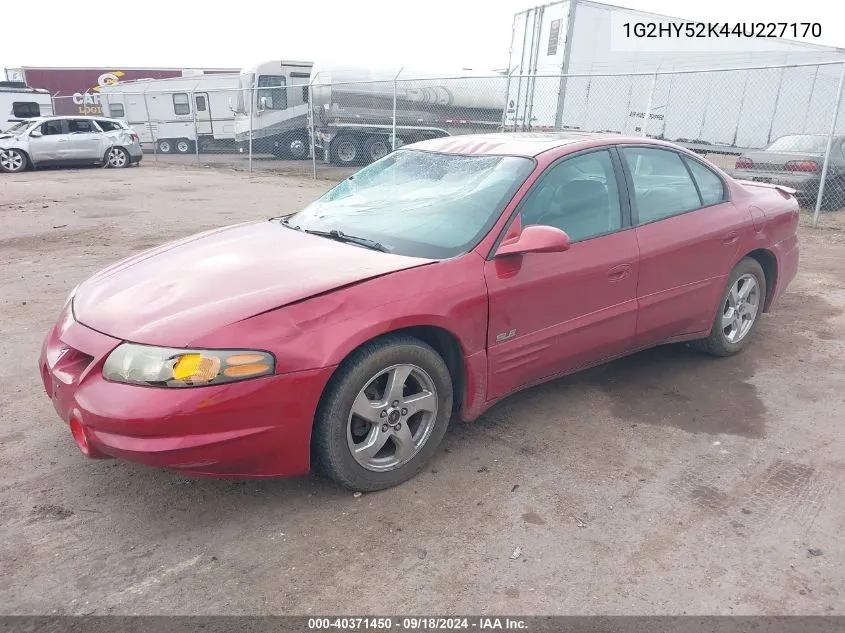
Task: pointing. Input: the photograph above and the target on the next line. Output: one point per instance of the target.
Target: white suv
(68, 140)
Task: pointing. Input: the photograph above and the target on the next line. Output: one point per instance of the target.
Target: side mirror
(535, 239)
(36, 133)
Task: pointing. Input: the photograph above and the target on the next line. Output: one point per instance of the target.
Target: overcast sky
(437, 34)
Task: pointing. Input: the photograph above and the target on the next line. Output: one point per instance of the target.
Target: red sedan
(430, 284)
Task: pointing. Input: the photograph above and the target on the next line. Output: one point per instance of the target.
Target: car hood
(175, 293)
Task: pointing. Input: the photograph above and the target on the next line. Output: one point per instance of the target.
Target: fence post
(149, 124)
(829, 145)
(311, 130)
(648, 104)
(393, 133)
(507, 94)
(252, 111)
(196, 129)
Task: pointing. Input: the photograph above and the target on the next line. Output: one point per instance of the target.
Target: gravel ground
(665, 483)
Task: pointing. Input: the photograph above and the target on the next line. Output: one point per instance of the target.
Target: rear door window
(81, 126)
(663, 186)
(710, 186)
(109, 126)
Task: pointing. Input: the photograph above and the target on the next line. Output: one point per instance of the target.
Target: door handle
(619, 272)
(731, 238)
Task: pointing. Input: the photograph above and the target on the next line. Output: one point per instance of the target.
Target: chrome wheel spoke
(425, 401)
(374, 442)
(728, 317)
(403, 440)
(393, 392)
(365, 408)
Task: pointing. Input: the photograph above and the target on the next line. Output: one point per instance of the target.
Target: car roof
(71, 116)
(528, 144)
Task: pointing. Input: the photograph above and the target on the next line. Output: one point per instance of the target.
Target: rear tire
(400, 428)
(735, 320)
(184, 146)
(117, 158)
(376, 148)
(345, 150)
(13, 161)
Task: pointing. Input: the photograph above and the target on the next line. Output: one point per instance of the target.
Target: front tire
(739, 310)
(383, 415)
(13, 161)
(165, 146)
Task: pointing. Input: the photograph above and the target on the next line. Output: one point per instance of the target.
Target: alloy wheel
(741, 308)
(392, 417)
(117, 158)
(12, 160)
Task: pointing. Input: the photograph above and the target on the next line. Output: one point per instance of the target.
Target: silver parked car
(68, 140)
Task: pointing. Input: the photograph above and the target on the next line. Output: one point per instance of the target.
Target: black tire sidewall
(290, 141)
(340, 140)
(368, 145)
(717, 335)
(333, 456)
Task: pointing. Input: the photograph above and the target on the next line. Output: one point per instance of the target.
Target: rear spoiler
(789, 191)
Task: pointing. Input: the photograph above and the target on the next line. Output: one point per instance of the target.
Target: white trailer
(613, 84)
(354, 107)
(177, 113)
(18, 103)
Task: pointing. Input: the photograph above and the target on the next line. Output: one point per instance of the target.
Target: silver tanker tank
(422, 96)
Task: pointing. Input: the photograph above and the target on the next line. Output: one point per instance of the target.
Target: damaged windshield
(17, 128)
(419, 203)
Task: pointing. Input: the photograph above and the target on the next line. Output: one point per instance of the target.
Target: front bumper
(254, 428)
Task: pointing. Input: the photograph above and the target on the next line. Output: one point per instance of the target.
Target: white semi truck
(572, 66)
(354, 108)
(177, 113)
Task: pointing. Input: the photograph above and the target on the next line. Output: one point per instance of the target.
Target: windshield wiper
(339, 236)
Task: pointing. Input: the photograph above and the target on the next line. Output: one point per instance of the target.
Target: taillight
(801, 165)
(135, 138)
(744, 163)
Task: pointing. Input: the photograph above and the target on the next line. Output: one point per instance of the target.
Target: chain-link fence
(778, 125)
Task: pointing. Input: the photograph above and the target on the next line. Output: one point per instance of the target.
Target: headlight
(173, 367)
